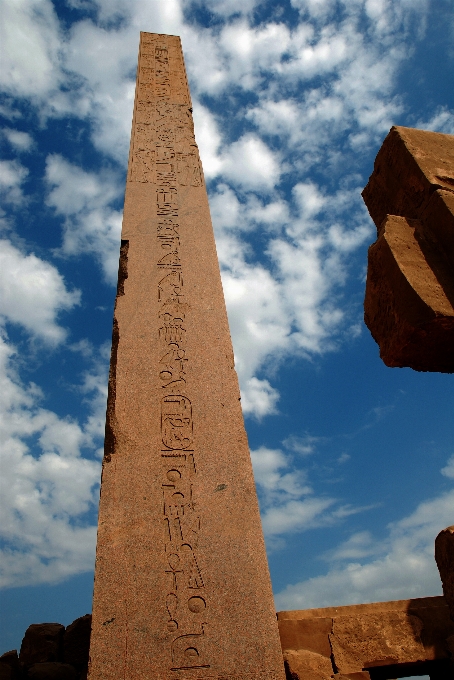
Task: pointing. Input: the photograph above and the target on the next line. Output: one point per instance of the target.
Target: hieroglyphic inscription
(165, 154)
(164, 148)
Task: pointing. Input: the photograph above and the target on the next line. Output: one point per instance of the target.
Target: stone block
(76, 642)
(409, 303)
(9, 666)
(444, 556)
(437, 625)
(306, 665)
(410, 165)
(308, 634)
(51, 671)
(42, 642)
(364, 641)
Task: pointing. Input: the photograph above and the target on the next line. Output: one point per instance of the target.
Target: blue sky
(354, 462)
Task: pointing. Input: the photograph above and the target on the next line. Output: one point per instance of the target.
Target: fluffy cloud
(48, 487)
(91, 225)
(288, 502)
(441, 121)
(249, 163)
(33, 293)
(402, 566)
(12, 175)
(30, 41)
(18, 139)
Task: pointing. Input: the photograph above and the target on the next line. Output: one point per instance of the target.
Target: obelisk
(182, 589)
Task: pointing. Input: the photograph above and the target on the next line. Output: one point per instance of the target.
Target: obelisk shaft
(182, 588)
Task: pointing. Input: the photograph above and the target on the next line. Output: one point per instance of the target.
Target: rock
(309, 634)
(76, 642)
(305, 665)
(367, 640)
(376, 639)
(444, 556)
(409, 304)
(52, 671)
(42, 642)
(9, 666)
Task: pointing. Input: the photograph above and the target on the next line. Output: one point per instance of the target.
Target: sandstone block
(76, 642)
(444, 556)
(51, 671)
(306, 665)
(409, 304)
(410, 165)
(376, 640)
(307, 634)
(42, 642)
(9, 666)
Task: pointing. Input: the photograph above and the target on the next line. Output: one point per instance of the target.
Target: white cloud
(305, 446)
(33, 293)
(47, 485)
(249, 163)
(404, 566)
(12, 175)
(295, 515)
(287, 501)
(31, 41)
(208, 140)
(258, 397)
(258, 325)
(314, 8)
(227, 8)
(448, 470)
(21, 141)
(291, 307)
(441, 121)
(84, 198)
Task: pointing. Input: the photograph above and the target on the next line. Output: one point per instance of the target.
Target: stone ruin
(50, 652)
(182, 589)
(409, 305)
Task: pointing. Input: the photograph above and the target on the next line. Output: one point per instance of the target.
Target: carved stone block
(409, 303)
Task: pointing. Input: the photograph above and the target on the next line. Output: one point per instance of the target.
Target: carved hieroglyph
(182, 588)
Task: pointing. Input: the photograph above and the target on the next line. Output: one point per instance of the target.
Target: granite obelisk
(182, 588)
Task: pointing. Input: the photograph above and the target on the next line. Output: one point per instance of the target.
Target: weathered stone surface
(42, 642)
(409, 304)
(309, 634)
(306, 665)
(402, 633)
(76, 642)
(407, 309)
(376, 640)
(444, 556)
(182, 586)
(51, 671)
(436, 625)
(9, 666)
(410, 165)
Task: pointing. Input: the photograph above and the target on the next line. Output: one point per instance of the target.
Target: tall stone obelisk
(182, 588)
